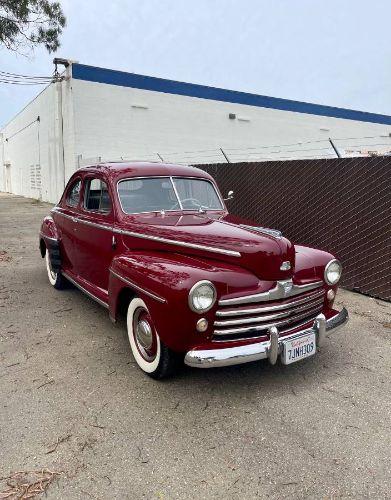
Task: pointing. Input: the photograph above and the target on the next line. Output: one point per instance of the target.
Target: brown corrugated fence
(340, 205)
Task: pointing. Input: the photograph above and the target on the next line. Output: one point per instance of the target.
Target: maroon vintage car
(155, 243)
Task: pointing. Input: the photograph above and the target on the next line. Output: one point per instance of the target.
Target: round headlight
(202, 296)
(332, 272)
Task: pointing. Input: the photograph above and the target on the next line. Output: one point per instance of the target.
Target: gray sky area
(335, 52)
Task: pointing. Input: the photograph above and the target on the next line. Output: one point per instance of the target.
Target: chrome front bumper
(270, 349)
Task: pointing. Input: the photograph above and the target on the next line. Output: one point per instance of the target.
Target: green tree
(28, 23)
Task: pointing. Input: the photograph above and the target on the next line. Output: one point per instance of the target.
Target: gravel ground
(73, 401)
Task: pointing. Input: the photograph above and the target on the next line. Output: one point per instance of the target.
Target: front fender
(163, 281)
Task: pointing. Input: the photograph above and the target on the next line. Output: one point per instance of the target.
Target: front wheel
(150, 353)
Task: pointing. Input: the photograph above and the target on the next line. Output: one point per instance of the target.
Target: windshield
(155, 194)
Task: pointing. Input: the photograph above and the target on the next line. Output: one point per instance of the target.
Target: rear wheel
(56, 279)
(149, 352)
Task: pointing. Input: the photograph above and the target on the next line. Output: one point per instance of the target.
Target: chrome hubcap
(144, 334)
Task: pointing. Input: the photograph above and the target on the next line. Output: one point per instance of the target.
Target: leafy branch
(29, 23)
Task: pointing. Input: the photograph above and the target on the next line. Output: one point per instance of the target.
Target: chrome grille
(255, 320)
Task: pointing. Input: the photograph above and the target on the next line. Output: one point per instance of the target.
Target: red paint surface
(168, 270)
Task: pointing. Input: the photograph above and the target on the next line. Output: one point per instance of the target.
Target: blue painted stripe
(123, 79)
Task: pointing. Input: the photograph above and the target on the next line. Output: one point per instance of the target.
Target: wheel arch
(42, 247)
(124, 297)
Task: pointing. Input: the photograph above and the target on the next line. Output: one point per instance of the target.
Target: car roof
(120, 170)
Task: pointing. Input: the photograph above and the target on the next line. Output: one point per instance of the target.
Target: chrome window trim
(136, 287)
(87, 183)
(222, 251)
(276, 293)
(89, 294)
(278, 307)
(171, 177)
(176, 193)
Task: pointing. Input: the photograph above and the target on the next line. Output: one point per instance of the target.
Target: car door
(64, 216)
(94, 233)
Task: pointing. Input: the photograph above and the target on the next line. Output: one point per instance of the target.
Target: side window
(97, 196)
(73, 195)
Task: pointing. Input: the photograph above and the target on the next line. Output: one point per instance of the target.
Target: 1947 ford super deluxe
(155, 242)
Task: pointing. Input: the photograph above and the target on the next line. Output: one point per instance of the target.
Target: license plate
(297, 349)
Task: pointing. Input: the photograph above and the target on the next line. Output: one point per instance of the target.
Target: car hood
(216, 236)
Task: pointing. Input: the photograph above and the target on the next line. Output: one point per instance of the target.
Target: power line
(20, 79)
(16, 75)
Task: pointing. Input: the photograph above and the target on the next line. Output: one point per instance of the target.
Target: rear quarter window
(73, 194)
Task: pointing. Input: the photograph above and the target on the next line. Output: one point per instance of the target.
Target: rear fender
(49, 241)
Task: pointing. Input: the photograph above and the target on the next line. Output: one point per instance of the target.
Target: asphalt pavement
(73, 401)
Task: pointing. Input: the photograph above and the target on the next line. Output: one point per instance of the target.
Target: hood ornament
(285, 266)
(286, 286)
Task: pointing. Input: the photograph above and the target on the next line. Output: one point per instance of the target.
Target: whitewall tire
(149, 352)
(55, 279)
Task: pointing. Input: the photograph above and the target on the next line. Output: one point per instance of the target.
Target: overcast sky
(335, 52)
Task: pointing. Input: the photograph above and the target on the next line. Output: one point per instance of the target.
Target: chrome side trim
(282, 290)
(82, 221)
(263, 230)
(266, 326)
(58, 211)
(136, 287)
(89, 294)
(222, 251)
(55, 240)
(211, 358)
(254, 319)
(94, 224)
(278, 307)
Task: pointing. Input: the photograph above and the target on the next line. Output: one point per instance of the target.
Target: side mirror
(230, 195)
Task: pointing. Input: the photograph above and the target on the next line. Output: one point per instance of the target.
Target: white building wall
(31, 149)
(113, 122)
